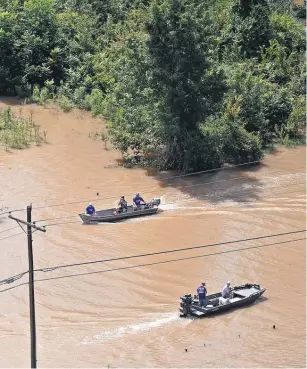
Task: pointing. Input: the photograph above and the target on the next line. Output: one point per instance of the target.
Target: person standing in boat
(138, 201)
(122, 205)
(202, 294)
(226, 291)
(90, 210)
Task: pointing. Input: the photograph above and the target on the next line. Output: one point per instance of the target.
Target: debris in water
(186, 350)
(274, 326)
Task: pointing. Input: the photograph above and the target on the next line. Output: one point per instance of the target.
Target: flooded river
(108, 314)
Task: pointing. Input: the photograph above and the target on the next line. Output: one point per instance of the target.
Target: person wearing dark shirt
(202, 294)
(122, 205)
(138, 201)
(90, 210)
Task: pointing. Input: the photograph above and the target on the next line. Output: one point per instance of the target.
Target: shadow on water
(237, 184)
(226, 184)
(13, 101)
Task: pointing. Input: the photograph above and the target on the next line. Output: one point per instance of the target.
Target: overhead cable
(167, 251)
(148, 191)
(157, 263)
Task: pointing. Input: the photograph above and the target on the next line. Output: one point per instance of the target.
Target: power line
(212, 195)
(13, 287)
(158, 262)
(169, 261)
(179, 176)
(166, 251)
(115, 197)
(10, 211)
(13, 235)
(161, 179)
(14, 278)
(181, 187)
(9, 229)
(49, 269)
(206, 196)
(210, 170)
(77, 222)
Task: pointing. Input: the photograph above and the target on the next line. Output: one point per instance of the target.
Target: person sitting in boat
(226, 291)
(122, 205)
(202, 295)
(138, 201)
(90, 210)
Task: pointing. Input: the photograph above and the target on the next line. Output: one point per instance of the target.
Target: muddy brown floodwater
(99, 315)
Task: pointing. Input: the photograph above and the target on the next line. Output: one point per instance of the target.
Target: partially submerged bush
(17, 132)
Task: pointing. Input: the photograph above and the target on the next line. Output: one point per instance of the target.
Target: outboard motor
(186, 302)
(156, 202)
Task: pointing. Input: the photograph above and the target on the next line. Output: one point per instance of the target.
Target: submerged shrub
(17, 132)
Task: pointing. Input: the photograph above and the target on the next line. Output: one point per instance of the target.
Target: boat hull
(242, 296)
(108, 216)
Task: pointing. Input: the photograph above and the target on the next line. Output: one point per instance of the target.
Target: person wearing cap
(202, 295)
(90, 210)
(122, 205)
(138, 201)
(226, 291)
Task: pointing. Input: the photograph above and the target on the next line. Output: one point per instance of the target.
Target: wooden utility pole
(29, 232)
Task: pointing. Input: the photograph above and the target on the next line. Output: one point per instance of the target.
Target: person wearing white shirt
(226, 291)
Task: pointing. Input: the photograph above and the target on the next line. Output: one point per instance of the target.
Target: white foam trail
(191, 207)
(10, 315)
(169, 207)
(133, 328)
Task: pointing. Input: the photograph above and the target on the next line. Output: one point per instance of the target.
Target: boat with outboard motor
(240, 296)
(111, 215)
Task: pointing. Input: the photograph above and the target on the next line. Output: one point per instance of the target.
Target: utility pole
(29, 232)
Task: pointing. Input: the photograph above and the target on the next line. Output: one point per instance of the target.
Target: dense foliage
(186, 84)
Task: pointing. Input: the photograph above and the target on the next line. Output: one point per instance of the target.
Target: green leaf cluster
(185, 84)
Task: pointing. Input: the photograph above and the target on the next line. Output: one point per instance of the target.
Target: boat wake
(166, 319)
(10, 315)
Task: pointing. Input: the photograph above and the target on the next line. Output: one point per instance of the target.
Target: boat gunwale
(114, 218)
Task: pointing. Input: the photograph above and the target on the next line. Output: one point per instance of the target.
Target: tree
(183, 83)
(7, 57)
(186, 84)
(250, 28)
